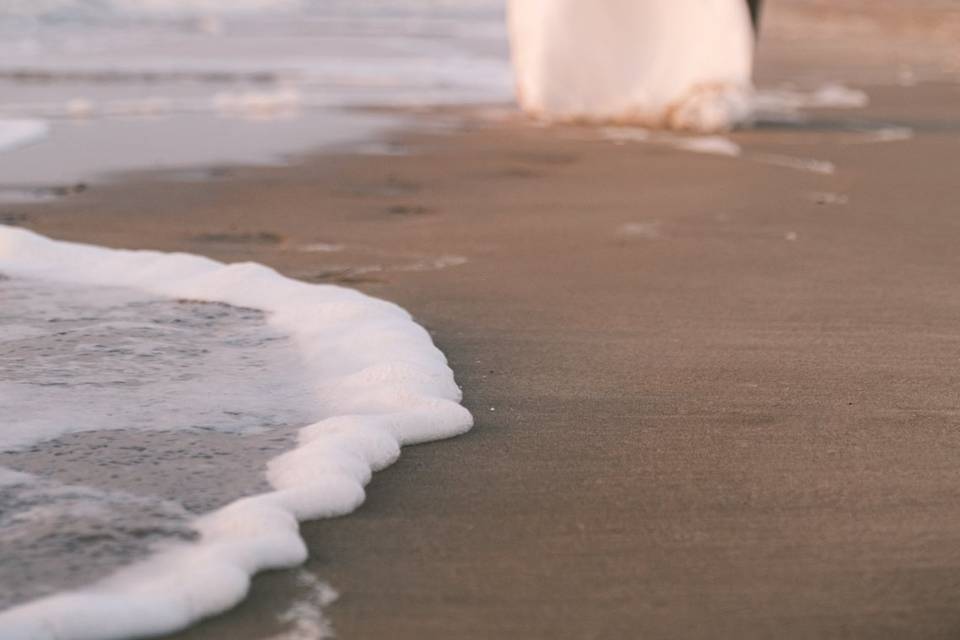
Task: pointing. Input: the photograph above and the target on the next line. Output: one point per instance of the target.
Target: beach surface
(716, 396)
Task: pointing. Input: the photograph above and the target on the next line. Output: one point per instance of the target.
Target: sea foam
(382, 383)
(17, 133)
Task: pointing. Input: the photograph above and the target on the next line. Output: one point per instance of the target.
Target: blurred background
(90, 87)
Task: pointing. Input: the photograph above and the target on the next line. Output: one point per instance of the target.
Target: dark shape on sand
(12, 219)
(409, 210)
(258, 237)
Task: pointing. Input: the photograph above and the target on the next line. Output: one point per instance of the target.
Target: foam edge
(383, 384)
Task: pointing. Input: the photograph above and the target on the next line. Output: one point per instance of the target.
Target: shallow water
(169, 84)
(122, 416)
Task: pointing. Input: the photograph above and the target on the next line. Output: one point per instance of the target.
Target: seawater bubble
(124, 416)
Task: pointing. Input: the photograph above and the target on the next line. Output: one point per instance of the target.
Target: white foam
(838, 96)
(433, 264)
(18, 133)
(148, 73)
(647, 230)
(383, 385)
(787, 101)
(809, 165)
(721, 146)
(251, 105)
(712, 145)
(59, 8)
(683, 64)
(886, 134)
(305, 617)
(9, 477)
(259, 105)
(321, 247)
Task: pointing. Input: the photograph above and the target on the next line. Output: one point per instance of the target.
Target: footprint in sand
(516, 172)
(409, 210)
(13, 219)
(345, 275)
(40, 194)
(227, 237)
(544, 158)
(394, 186)
(828, 198)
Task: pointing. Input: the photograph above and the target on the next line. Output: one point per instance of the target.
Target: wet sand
(715, 398)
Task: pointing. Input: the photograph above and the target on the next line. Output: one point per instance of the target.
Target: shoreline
(731, 421)
(383, 383)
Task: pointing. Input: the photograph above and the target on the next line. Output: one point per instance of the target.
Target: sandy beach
(716, 397)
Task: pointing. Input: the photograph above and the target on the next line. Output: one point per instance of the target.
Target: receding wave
(376, 378)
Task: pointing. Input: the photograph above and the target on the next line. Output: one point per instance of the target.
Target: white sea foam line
(152, 7)
(246, 104)
(17, 133)
(832, 95)
(885, 134)
(321, 247)
(382, 382)
(810, 165)
(649, 230)
(711, 145)
(717, 145)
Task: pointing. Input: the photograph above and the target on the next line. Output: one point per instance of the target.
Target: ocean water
(174, 83)
(166, 421)
(124, 417)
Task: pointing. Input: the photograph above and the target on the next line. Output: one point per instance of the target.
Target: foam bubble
(809, 165)
(382, 382)
(787, 102)
(712, 145)
(18, 133)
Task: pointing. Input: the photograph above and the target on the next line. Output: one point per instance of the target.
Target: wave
(85, 10)
(381, 381)
(59, 10)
